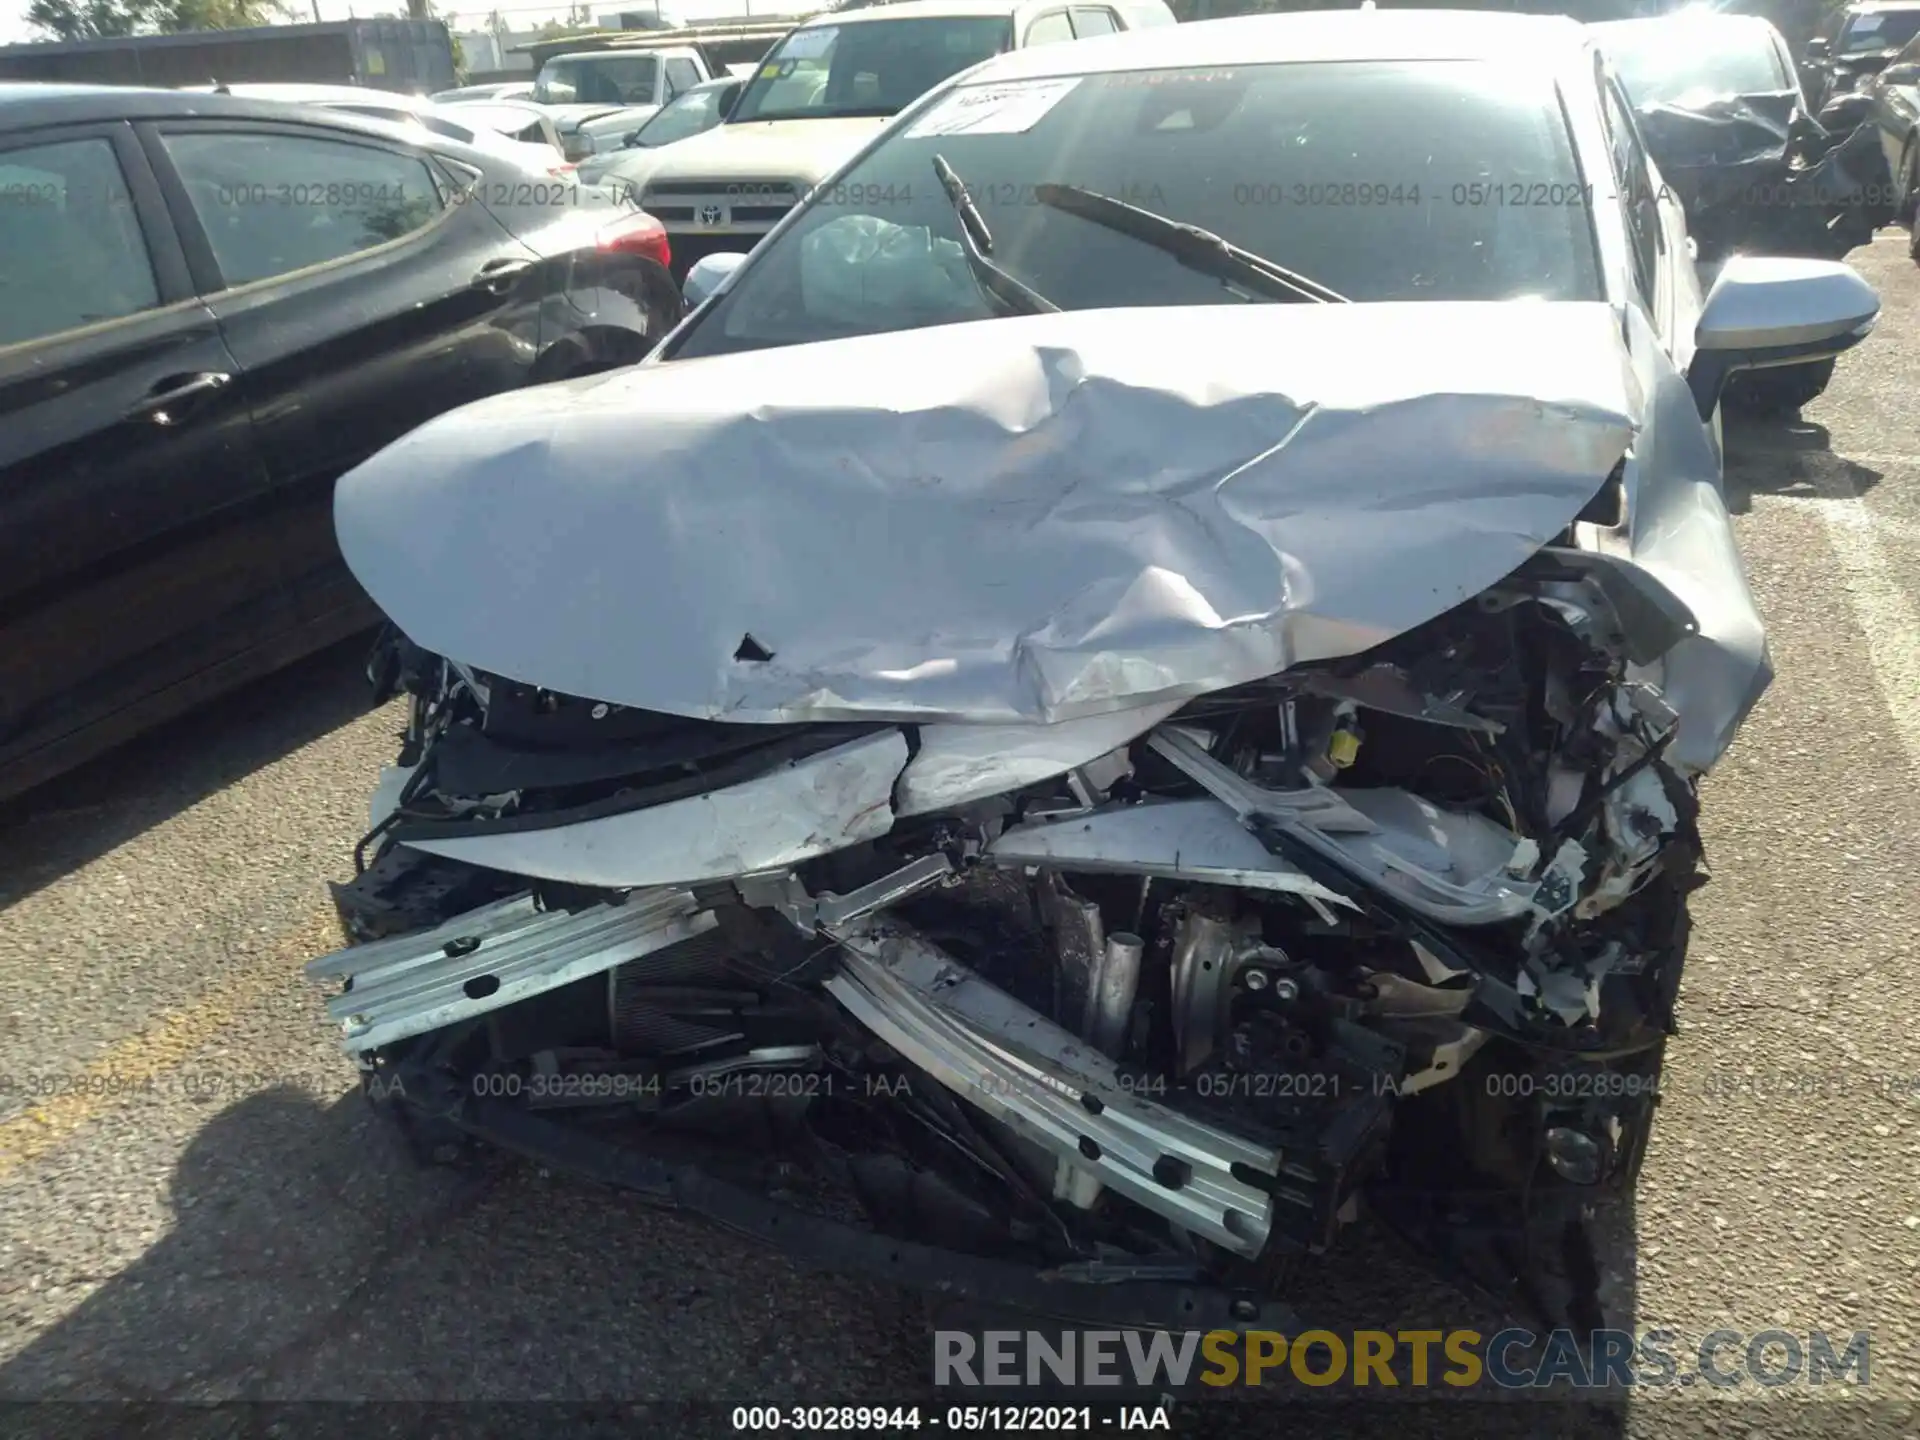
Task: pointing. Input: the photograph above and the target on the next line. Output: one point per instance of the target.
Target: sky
(520, 14)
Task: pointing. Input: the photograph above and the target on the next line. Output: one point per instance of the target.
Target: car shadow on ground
(1790, 457)
(61, 825)
(313, 1257)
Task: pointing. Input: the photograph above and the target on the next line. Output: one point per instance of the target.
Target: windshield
(1877, 30)
(1405, 181)
(1660, 64)
(598, 80)
(873, 67)
(688, 114)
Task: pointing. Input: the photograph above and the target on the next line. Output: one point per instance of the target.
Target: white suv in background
(821, 94)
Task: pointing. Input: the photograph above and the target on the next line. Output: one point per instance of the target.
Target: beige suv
(821, 94)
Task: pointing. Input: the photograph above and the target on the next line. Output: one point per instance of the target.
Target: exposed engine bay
(1396, 933)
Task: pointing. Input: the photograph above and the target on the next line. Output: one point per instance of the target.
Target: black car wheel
(1779, 391)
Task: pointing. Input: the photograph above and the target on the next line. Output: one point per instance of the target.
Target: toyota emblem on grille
(711, 215)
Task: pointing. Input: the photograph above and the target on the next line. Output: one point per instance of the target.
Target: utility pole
(418, 9)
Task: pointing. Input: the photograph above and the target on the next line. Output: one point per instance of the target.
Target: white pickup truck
(598, 97)
(820, 95)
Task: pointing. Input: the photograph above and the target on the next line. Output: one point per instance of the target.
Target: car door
(130, 484)
(362, 291)
(1895, 95)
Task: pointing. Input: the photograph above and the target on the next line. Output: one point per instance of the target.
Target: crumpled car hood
(1029, 519)
(1718, 129)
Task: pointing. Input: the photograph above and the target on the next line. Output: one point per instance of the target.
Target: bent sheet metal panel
(1037, 518)
(1199, 840)
(1019, 1067)
(491, 958)
(813, 806)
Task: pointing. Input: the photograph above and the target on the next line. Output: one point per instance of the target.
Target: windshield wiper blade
(1193, 247)
(976, 243)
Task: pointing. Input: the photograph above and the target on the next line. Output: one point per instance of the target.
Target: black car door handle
(496, 277)
(169, 401)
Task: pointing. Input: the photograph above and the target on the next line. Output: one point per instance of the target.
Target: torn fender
(1018, 520)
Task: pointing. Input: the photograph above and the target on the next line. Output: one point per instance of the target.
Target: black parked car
(210, 308)
(1854, 45)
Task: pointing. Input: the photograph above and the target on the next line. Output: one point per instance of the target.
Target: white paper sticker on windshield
(809, 44)
(1009, 109)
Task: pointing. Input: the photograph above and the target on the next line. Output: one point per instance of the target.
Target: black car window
(1871, 31)
(866, 67)
(598, 80)
(1638, 198)
(681, 75)
(273, 203)
(1422, 180)
(1091, 20)
(71, 251)
(1050, 30)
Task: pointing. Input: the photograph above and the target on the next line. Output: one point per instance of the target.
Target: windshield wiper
(976, 243)
(1197, 249)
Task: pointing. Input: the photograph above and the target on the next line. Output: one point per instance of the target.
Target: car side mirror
(1765, 311)
(1907, 74)
(708, 276)
(1816, 49)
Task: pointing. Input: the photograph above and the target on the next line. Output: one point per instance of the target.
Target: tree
(181, 15)
(90, 19)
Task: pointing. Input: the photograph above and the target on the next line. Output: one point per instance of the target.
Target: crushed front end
(1195, 810)
(1399, 933)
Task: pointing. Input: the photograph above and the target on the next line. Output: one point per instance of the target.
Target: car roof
(618, 52)
(29, 105)
(1306, 35)
(305, 94)
(916, 10)
(25, 104)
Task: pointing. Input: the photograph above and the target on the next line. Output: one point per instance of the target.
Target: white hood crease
(1009, 521)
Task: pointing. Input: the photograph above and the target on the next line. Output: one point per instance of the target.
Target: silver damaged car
(1127, 692)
